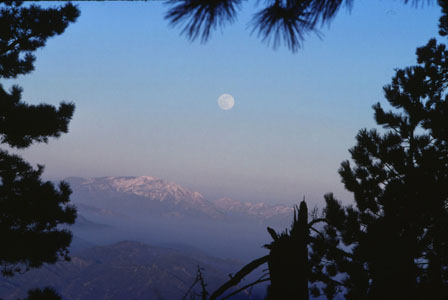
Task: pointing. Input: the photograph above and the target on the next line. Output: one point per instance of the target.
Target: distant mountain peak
(147, 191)
(152, 195)
(145, 186)
(259, 209)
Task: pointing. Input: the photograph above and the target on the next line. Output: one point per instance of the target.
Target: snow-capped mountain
(146, 186)
(273, 215)
(151, 195)
(146, 195)
(259, 209)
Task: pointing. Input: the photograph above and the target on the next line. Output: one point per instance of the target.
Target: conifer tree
(278, 22)
(397, 231)
(31, 209)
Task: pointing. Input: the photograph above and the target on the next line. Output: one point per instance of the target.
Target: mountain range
(154, 196)
(120, 217)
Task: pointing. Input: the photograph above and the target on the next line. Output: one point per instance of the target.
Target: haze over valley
(153, 210)
(149, 236)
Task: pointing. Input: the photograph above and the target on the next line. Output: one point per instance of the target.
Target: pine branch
(239, 276)
(317, 221)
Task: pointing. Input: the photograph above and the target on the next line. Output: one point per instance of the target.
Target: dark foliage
(31, 210)
(280, 21)
(25, 29)
(397, 233)
(42, 121)
(200, 17)
(290, 20)
(43, 294)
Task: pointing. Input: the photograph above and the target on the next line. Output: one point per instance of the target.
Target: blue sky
(146, 98)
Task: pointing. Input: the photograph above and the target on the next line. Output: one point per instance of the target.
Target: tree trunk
(288, 261)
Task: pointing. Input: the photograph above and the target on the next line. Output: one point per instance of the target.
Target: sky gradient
(146, 98)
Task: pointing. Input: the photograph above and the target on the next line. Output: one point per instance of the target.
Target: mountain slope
(125, 270)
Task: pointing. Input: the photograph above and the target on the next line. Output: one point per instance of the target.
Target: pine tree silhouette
(30, 209)
(397, 232)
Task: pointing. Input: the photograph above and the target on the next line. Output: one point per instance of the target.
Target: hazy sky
(146, 98)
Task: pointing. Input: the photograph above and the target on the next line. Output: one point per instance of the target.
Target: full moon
(226, 101)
